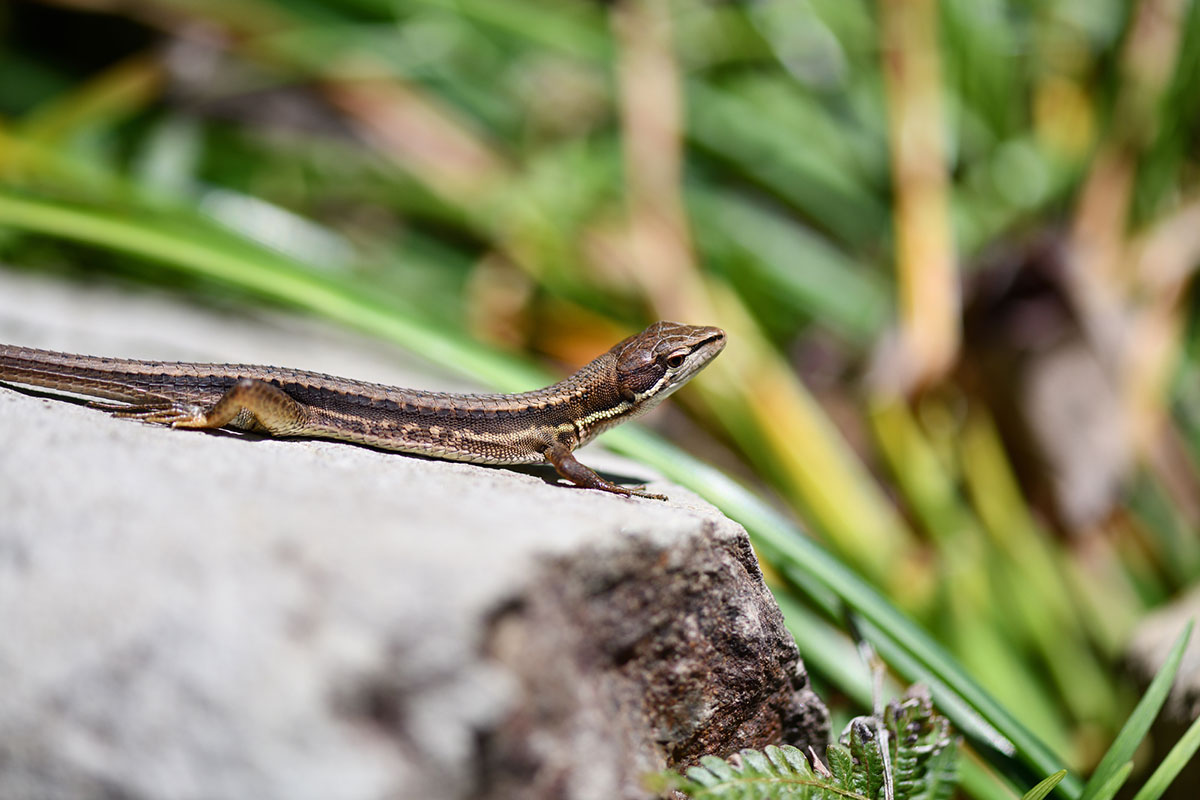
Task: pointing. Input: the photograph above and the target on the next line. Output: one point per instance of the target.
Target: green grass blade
(830, 654)
(1170, 767)
(826, 650)
(730, 125)
(801, 270)
(1108, 790)
(1045, 787)
(240, 263)
(573, 28)
(1139, 721)
(980, 782)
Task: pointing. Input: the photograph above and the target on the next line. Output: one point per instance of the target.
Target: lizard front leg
(570, 468)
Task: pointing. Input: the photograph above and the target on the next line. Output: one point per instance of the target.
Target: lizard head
(660, 359)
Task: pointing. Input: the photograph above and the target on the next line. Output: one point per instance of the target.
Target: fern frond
(860, 737)
(775, 773)
(841, 764)
(921, 749)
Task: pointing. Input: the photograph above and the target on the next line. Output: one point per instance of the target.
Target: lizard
(541, 426)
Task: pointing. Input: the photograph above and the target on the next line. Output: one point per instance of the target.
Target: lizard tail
(110, 379)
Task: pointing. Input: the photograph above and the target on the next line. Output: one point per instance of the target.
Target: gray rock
(190, 615)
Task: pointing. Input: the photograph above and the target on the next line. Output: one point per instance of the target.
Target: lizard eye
(675, 360)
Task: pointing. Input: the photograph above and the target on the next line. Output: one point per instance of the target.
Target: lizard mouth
(717, 338)
(709, 348)
(711, 345)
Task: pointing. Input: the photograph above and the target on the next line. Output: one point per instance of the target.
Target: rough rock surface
(190, 615)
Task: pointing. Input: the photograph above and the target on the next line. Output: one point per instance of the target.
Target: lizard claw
(640, 491)
(155, 413)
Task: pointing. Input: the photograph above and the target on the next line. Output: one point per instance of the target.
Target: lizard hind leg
(253, 405)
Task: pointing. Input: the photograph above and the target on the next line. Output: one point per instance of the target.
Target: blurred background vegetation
(952, 244)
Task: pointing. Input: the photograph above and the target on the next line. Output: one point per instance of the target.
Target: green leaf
(794, 267)
(863, 742)
(983, 783)
(1170, 767)
(841, 764)
(731, 126)
(776, 773)
(1045, 787)
(720, 770)
(1135, 727)
(941, 775)
(924, 753)
(1114, 783)
(190, 247)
